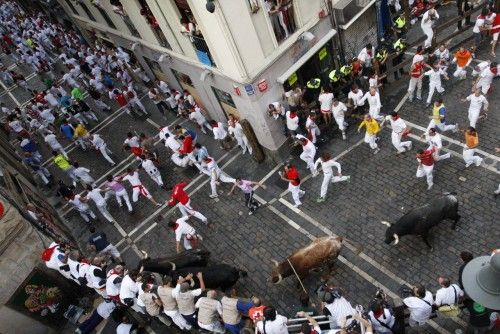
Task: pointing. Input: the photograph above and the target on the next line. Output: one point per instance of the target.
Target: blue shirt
(243, 307)
(67, 130)
(33, 162)
(65, 101)
(29, 145)
(99, 240)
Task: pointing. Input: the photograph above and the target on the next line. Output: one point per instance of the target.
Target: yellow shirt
(372, 126)
(80, 131)
(61, 162)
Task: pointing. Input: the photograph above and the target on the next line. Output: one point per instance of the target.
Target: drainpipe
(337, 40)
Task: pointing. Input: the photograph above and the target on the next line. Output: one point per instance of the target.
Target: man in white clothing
(485, 78)
(100, 202)
(438, 118)
(101, 146)
(292, 122)
(220, 135)
(354, 97)
(82, 208)
(428, 20)
(236, 130)
(197, 116)
(420, 305)
(434, 75)
(54, 144)
(83, 174)
(398, 129)
(373, 98)
(449, 294)
(338, 110)
(150, 168)
(477, 102)
(184, 232)
(215, 174)
(327, 162)
(325, 99)
(312, 128)
(434, 140)
(308, 153)
(132, 176)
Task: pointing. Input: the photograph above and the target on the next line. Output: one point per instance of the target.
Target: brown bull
(322, 251)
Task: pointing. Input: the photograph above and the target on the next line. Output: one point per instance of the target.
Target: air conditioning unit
(345, 10)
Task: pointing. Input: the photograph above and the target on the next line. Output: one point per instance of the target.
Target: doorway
(226, 102)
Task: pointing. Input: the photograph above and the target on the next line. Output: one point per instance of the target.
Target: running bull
(420, 220)
(321, 251)
(216, 276)
(164, 265)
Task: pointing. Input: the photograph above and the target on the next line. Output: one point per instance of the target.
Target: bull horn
(173, 265)
(383, 222)
(144, 254)
(275, 263)
(396, 238)
(280, 278)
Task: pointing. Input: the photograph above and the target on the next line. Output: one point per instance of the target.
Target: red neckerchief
(293, 114)
(216, 125)
(369, 51)
(494, 70)
(175, 226)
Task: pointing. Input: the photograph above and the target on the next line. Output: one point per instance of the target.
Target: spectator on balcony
(188, 29)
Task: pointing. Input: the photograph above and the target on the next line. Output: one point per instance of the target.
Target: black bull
(420, 220)
(217, 276)
(165, 265)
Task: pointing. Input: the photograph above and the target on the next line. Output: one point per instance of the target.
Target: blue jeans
(92, 322)
(234, 329)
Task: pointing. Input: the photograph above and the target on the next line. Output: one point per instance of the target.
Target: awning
(302, 60)
(365, 8)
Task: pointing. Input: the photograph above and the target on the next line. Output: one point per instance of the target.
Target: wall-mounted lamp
(164, 57)
(210, 6)
(206, 73)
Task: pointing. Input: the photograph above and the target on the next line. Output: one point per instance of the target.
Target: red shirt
(121, 100)
(187, 145)
(496, 22)
(293, 175)
(416, 72)
(426, 158)
(179, 195)
(40, 97)
(137, 151)
(256, 312)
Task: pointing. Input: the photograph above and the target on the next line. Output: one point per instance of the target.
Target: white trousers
(105, 153)
(156, 176)
(187, 209)
(330, 178)
(473, 117)
(309, 161)
(432, 87)
(423, 170)
(176, 159)
(178, 319)
(104, 211)
(398, 144)
(370, 139)
(58, 148)
(340, 122)
(415, 83)
(243, 143)
(140, 190)
(374, 112)
(470, 158)
(296, 193)
(429, 33)
(119, 195)
(219, 175)
(215, 327)
(460, 72)
(484, 87)
(136, 102)
(85, 213)
(440, 125)
(101, 105)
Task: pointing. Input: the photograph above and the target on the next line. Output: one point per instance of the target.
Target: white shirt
(279, 108)
(434, 140)
(477, 102)
(96, 196)
(183, 229)
(105, 309)
(132, 142)
(447, 295)
(366, 58)
(356, 97)
(420, 311)
(478, 24)
(386, 318)
(133, 179)
(326, 166)
(325, 100)
(148, 166)
(163, 86)
(417, 58)
(373, 100)
(123, 328)
(236, 130)
(98, 142)
(163, 131)
(292, 123)
(219, 131)
(51, 139)
(339, 109)
(128, 289)
(339, 310)
(47, 116)
(485, 77)
(197, 116)
(172, 143)
(398, 125)
(309, 149)
(83, 174)
(277, 326)
(16, 126)
(112, 289)
(76, 201)
(435, 76)
(426, 22)
(51, 99)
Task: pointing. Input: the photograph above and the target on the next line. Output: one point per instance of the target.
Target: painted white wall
(133, 10)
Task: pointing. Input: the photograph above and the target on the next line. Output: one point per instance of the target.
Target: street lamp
(481, 280)
(210, 6)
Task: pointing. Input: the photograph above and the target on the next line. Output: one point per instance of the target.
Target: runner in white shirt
(485, 78)
(54, 144)
(355, 95)
(312, 128)
(197, 116)
(398, 128)
(435, 82)
(477, 102)
(99, 200)
(171, 142)
(185, 233)
(132, 176)
(236, 130)
(434, 140)
(373, 98)
(82, 207)
(325, 99)
(327, 162)
(101, 146)
(215, 174)
(292, 122)
(338, 110)
(150, 168)
(426, 24)
(129, 291)
(308, 153)
(83, 174)
(131, 141)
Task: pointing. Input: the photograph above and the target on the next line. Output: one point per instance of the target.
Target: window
(190, 29)
(131, 26)
(87, 11)
(184, 79)
(73, 9)
(153, 24)
(224, 97)
(106, 17)
(282, 18)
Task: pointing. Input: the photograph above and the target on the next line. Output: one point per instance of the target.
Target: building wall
(360, 33)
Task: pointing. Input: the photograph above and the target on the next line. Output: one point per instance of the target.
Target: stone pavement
(382, 187)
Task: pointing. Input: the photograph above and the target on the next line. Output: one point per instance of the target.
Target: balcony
(282, 16)
(153, 24)
(202, 51)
